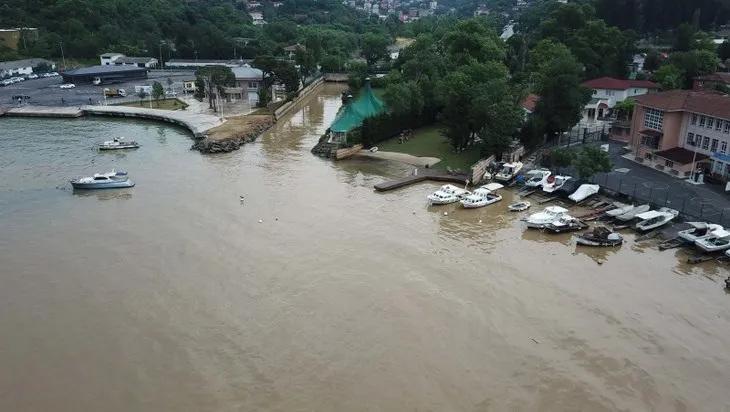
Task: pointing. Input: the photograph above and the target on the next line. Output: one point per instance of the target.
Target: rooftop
(16, 64)
(135, 60)
(681, 155)
(101, 69)
(711, 103)
(610, 83)
(719, 77)
(247, 73)
(111, 54)
(530, 102)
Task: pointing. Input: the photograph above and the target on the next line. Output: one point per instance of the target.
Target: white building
(146, 62)
(248, 81)
(608, 91)
(22, 67)
(108, 59)
(190, 64)
(258, 18)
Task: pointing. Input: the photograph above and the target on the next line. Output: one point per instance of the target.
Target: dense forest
(647, 16)
(179, 29)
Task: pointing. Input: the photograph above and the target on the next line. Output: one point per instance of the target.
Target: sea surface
(318, 294)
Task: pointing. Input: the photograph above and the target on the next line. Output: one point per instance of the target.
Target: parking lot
(47, 91)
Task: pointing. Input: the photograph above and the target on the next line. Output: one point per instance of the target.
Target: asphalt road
(46, 91)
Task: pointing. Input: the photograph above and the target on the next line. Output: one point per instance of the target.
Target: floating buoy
(414, 212)
(480, 220)
(261, 221)
(276, 218)
(446, 213)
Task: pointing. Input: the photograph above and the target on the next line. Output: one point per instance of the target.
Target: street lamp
(62, 56)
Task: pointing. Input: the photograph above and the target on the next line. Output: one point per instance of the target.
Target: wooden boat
(600, 236)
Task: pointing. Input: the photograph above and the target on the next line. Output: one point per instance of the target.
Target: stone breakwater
(233, 134)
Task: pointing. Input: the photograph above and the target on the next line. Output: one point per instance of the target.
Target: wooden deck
(420, 176)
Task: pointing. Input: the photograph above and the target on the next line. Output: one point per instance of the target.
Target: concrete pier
(422, 175)
(197, 123)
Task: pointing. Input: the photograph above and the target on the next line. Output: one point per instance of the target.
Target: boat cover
(583, 192)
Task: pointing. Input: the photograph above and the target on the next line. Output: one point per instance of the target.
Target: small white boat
(620, 210)
(565, 223)
(655, 218)
(117, 144)
(631, 214)
(537, 178)
(508, 171)
(549, 215)
(584, 192)
(699, 230)
(519, 206)
(717, 242)
(482, 196)
(447, 194)
(554, 183)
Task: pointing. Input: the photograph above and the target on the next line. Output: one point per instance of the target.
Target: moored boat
(554, 183)
(599, 236)
(631, 214)
(519, 206)
(699, 230)
(482, 196)
(717, 242)
(584, 192)
(447, 194)
(508, 171)
(117, 144)
(565, 223)
(110, 180)
(549, 215)
(655, 218)
(620, 210)
(537, 178)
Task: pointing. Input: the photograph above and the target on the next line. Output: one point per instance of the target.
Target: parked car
(6, 82)
(32, 76)
(53, 74)
(67, 86)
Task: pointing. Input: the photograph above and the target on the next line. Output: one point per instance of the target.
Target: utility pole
(62, 56)
(162, 64)
(196, 56)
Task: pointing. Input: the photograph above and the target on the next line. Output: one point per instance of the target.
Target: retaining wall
(305, 92)
(335, 77)
(347, 152)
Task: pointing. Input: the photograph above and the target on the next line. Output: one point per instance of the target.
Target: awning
(680, 155)
(652, 133)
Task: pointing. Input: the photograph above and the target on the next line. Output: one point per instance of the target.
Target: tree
(561, 157)
(625, 109)
(357, 72)
(694, 63)
(591, 160)
(214, 79)
(543, 54)
(306, 62)
(331, 64)
(374, 47)
(142, 95)
(157, 92)
(404, 98)
(652, 61)
(562, 97)
(683, 37)
(669, 77)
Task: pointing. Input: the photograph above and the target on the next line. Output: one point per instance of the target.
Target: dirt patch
(232, 134)
(402, 157)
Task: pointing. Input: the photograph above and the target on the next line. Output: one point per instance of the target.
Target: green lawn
(166, 104)
(428, 141)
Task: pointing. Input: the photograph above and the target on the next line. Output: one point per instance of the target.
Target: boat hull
(597, 243)
(103, 185)
(517, 207)
(119, 147)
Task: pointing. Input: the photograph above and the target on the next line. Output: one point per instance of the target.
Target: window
(691, 139)
(650, 142)
(694, 119)
(726, 129)
(653, 119)
(718, 167)
(669, 163)
(252, 85)
(709, 122)
(609, 92)
(713, 148)
(703, 119)
(718, 124)
(723, 147)
(705, 143)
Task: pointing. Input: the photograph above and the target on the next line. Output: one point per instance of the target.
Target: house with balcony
(607, 91)
(248, 82)
(679, 131)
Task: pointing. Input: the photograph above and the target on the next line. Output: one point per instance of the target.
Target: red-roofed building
(710, 81)
(674, 130)
(529, 104)
(608, 91)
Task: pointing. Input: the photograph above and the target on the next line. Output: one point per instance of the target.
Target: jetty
(197, 123)
(421, 175)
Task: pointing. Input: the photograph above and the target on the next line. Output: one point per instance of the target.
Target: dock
(197, 123)
(422, 175)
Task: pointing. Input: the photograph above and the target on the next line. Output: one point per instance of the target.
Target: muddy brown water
(172, 296)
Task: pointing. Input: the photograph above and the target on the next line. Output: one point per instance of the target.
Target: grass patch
(428, 141)
(379, 92)
(270, 109)
(166, 104)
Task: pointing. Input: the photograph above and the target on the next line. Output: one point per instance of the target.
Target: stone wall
(335, 77)
(347, 152)
(304, 93)
(478, 169)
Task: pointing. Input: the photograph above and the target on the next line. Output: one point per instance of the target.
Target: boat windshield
(100, 178)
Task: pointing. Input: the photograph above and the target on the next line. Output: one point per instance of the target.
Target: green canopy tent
(352, 116)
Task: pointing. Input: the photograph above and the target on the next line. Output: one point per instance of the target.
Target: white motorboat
(717, 242)
(117, 144)
(110, 180)
(549, 215)
(482, 196)
(620, 210)
(699, 230)
(508, 171)
(537, 178)
(655, 218)
(554, 183)
(631, 214)
(447, 194)
(519, 206)
(584, 192)
(565, 223)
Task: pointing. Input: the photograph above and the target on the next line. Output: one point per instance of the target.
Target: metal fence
(690, 208)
